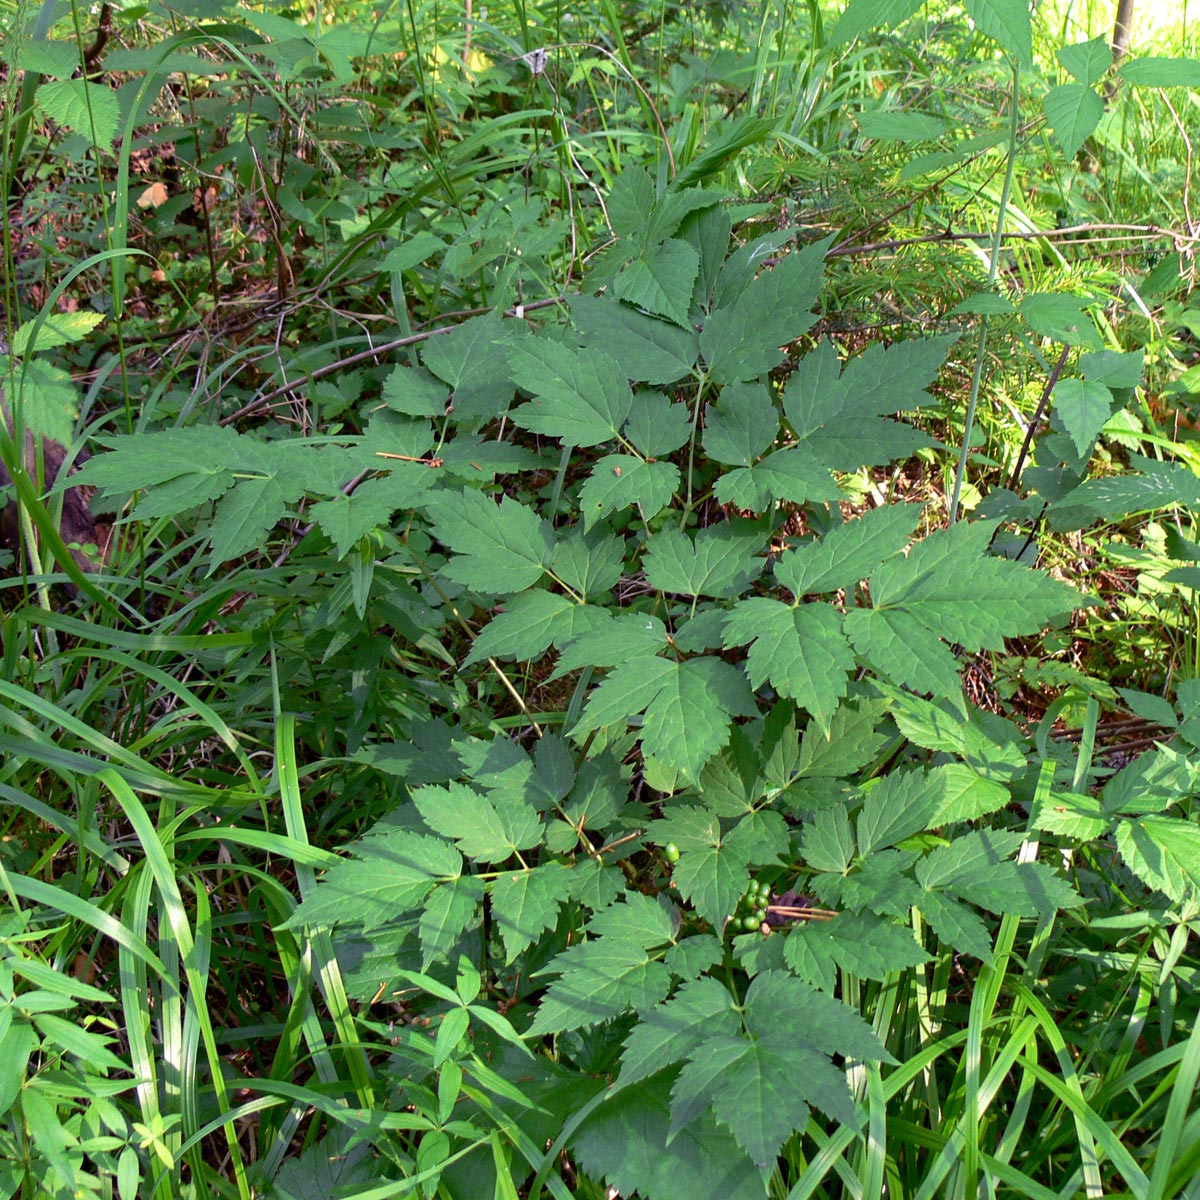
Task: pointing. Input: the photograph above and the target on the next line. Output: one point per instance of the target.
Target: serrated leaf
(50, 404)
(525, 904)
(647, 349)
(656, 426)
(947, 588)
(619, 481)
(247, 511)
(863, 15)
(445, 914)
(500, 548)
(1157, 71)
(598, 980)
(1164, 853)
(760, 1090)
(1084, 408)
(967, 795)
(1113, 368)
(1080, 817)
(899, 646)
(473, 360)
(91, 110)
(745, 340)
(661, 279)
(1117, 496)
(391, 872)
(777, 1000)
(531, 623)
(801, 650)
(837, 417)
(628, 636)
(415, 393)
(880, 885)
(790, 475)
(957, 926)
(345, 520)
(1008, 23)
(625, 1142)
(589, 564)
(712, 880)
(721, 561)
(867, 945)
(742, 425)
(580, 396)
(904, 126)
(412, 251)
(1060, 317)
(901, 804)
(847, 553)
(977, 868)
(1073, 110)
(631, 203)
(668, 1033)
(54, 329)
(688, 707)
(486, 828)
(1087, 61)
(828, 841)
(853, 740)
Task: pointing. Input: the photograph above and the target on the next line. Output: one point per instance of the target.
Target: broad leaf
(531, 623)
(580, 396)
(525, 904)
(668, 1033)
(391, 872)
(500, 548)
(645, 348)
(801, 650)
(619, 481)
(486, 828)
(1073, 111)
(721, 560)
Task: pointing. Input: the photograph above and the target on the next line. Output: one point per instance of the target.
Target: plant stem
(1014, 127)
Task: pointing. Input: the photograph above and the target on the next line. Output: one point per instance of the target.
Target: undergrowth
(649, 639)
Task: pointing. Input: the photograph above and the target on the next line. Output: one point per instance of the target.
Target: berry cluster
(752, 908)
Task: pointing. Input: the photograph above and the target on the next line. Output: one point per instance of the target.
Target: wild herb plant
(549, 768)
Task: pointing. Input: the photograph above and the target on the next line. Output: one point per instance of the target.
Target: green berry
(750, 924)
(671, 852)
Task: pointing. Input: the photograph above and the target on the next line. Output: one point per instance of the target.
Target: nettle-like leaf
(760, 1081)
(525, 904)
(500, 548)
(687, 706)
(488, 829)
(745, 339)
(610, 973)
(838, 414)
(531, 623)
(947, 588)
(619, 481)
(720, 561)
(801, 650)
(713, 867)
(472, 360)
(646, 349)
(391, 872)
(580, 396)
(1073, 110)
(1164, 853)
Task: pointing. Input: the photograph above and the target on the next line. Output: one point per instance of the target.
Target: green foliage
(585, 750)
